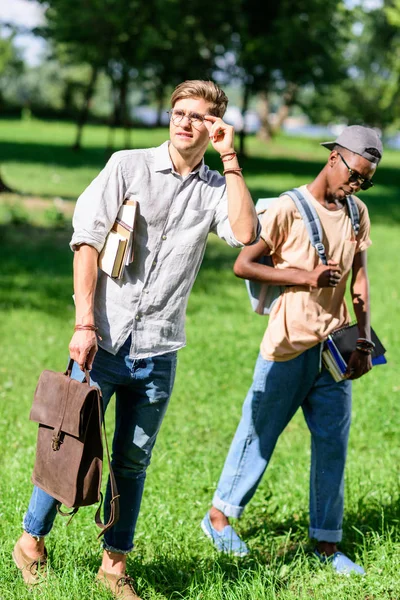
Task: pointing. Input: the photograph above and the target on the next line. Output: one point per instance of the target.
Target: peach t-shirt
(302, 317)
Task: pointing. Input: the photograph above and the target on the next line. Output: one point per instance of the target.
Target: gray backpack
(262, 295)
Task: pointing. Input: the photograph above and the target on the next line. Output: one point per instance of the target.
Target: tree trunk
(113, 118)
(4, 187)
(282, 114)
(123, 104)
(160, 103)
(85, 109)
(245, 105)
(265, 132)
(288, 99)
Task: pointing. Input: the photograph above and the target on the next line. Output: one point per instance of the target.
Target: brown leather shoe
(33, 571)
(120, 585)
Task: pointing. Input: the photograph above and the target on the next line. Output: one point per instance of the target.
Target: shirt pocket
(193, 228)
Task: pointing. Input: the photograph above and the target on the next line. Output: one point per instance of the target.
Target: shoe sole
(209, 535)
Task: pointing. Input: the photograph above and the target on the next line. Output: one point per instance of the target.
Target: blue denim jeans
(278, 390)
(142, 389)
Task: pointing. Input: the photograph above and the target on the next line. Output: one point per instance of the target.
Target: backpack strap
(311, 222)
(354, 214)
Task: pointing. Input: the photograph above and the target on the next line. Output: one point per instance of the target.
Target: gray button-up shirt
(175, 217)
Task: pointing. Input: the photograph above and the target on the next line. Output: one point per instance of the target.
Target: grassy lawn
(172, 558)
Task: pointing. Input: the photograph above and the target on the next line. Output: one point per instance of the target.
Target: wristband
(365, 343)
(238, 170)
(85, 328)
(230, 154)
(364, 350)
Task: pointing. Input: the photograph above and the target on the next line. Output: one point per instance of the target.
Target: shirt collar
(163, 162)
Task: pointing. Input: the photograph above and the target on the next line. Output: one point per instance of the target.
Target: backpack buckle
(320, 248)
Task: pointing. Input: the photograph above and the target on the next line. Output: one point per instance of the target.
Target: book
(340, 345)
(112, 256)
(118, 250)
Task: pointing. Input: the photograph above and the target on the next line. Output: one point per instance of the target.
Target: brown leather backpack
(69, 451)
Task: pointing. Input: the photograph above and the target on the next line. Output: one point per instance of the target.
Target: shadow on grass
(366, 518)
(36, 269)
(384, 208)
(181, 576)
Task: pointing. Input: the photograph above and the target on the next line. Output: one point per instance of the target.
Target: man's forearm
(85, 279)
(265, 274)
(360, 294)
(241, 212)
(361, 304)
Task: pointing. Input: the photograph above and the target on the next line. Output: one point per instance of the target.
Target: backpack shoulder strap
(311, 222)
(354, 214)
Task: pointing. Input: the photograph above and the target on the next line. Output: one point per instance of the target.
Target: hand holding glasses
(221, 134)
(195, 119)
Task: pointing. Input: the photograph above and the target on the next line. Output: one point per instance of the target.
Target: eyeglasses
(355, 177)
(176, 116)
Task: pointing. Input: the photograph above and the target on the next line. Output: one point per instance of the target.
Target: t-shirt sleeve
(276, 223)
(363, 237)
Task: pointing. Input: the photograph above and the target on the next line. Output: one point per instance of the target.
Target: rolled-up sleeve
(97, 207)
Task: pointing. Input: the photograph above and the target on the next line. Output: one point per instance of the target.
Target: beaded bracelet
(238, 170)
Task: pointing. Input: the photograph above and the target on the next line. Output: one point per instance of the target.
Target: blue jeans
(278, 390)
(142, 388)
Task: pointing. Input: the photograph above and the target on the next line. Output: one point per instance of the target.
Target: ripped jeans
(142, 389)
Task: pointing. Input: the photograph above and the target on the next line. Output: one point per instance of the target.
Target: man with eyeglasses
(140, 319)
(288, 372)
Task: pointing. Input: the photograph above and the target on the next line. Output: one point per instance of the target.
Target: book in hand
(117, 252)
(340, 345)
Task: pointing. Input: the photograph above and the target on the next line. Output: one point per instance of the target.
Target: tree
(181, 44)
(299, 43)
(370, 92)
(10, 66)
(104, 34)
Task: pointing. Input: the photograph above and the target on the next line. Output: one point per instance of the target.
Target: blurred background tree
(328, 60)
(370, 92)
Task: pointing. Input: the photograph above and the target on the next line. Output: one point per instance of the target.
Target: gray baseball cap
(358, 139)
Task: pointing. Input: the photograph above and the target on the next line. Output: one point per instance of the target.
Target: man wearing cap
(288, 373)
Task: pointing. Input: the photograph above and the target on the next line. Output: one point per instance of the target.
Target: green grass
(172, 559)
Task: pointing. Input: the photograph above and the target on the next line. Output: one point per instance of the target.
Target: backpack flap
(79, 398)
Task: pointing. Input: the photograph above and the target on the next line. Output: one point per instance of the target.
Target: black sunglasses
(355, 177)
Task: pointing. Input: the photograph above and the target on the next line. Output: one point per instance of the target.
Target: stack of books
(339, 346)
(117, 252)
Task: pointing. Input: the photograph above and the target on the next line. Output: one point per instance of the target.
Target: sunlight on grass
(172, 558)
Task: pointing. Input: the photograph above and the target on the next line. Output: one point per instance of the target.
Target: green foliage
(14, 214)
(370, 93)
(11, 65)
(55, 218)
